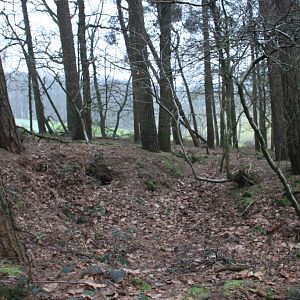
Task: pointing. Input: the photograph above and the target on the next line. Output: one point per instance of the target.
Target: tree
(9, 242)
(142, 82)
(9, 138)
(279, 126)
(33, 75)
(166, 101)
(74, 101)
(134, 75)
(288, 13)
(86, 89)
(209, 92)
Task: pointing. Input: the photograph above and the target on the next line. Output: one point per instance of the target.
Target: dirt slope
(153, 231)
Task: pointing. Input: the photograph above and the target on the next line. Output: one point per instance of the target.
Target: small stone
(117, 275)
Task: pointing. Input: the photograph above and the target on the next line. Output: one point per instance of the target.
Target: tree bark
(74, 101)
(209, 92)
(134, 77)
(142, 85)
(164, 128)
(9, 138)
(289, 15)
(10, 246)
(86, 88)
(279, 125)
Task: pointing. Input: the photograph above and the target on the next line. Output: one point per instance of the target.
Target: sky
(45, 33)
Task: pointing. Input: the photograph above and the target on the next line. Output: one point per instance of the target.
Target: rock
(117, 275)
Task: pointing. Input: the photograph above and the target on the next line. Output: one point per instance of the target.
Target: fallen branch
(42, 136)
(234, 268)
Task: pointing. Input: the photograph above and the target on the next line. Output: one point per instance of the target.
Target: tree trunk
(143, 92)
(254, 99)
(10, 247)
(164, 129)
(9, 138)
(30, 60)
(86, 88)
(209, 92)
(289, 15)
(279, 126)
(134, 77)
(74, 102)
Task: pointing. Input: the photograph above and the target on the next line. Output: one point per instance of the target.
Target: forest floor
(154, 232)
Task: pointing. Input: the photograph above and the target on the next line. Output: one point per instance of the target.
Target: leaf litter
(87, 240)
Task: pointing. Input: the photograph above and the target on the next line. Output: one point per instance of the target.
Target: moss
(10, 270)
(172, 164)
(150, 184)
(232, 285)
(141, 284)
(198, 292)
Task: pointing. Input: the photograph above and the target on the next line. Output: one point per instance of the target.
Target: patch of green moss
(284, 202)
(141, 284)
(150, 184)
(140, 163)
(198, 292)
(10, 270)
(231, 286)
(172, 165)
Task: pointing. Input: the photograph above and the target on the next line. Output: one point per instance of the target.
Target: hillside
(148, 230)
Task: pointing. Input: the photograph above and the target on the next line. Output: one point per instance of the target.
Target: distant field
(26, 123)
(246, 136)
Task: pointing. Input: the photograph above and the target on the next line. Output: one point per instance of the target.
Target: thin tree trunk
(209, 92)
(30, 103)
(33, 71)
(86, 88)
(134, 77)
(53, 105)
(74, 101)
